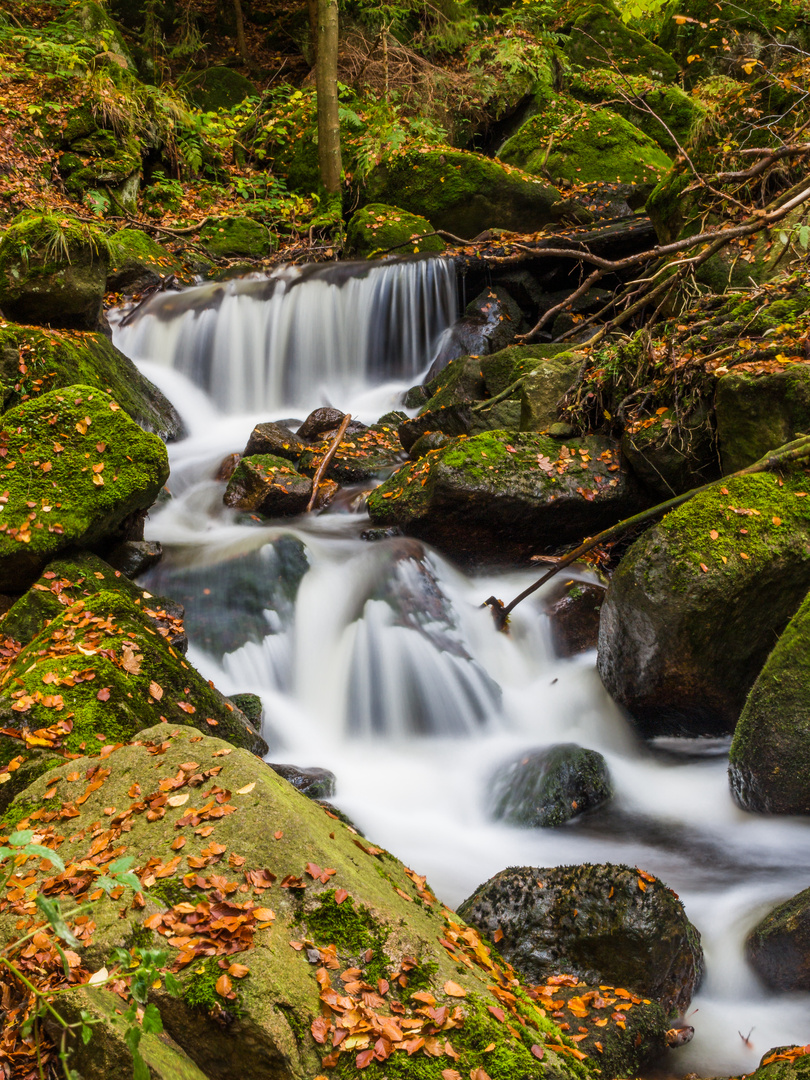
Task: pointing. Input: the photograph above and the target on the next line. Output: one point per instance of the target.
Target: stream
(383, 667)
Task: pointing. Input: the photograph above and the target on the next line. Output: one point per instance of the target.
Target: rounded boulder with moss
(237, 237)
(377, 230)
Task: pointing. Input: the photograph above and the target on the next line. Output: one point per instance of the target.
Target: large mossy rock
(778, 948)
(769, 760)
(235, 237)
(377, 229)
(783, 1063)
(359, 456)
(673, 452)
(104, 165)
(465, 193)
(695, 605)
(599, 38)
(94, 24)
(53, 272)
(310, 913)
(756, 413)
(76, 468)
(34, 361)
(545, 788)
(269, 485)
(502, 495)
(581, 144)
(675, 112)
(603, 923)
(217, 88)
(138, 262)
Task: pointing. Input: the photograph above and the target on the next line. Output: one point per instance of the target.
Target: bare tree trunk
(240, 33)
(326, 82)
(313, 29)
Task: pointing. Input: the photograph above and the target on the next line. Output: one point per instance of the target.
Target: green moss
(217, 88)
(237, 237)
(376, 229)
(199, 988)
(569, 141)
(599, 37)
(351, 929)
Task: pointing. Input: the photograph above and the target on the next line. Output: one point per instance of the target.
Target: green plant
(141, 967)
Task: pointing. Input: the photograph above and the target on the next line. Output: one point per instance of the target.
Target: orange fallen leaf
(454, 990)
(223, 985)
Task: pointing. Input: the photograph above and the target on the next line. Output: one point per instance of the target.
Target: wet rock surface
(574, 617)
(778, 948)
(545, 788)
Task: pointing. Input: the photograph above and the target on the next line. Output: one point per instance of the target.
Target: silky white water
(375, 660)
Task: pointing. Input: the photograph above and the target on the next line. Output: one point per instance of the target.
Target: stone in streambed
(769, 759)
(603, 923)
(76, 469)
(342, 894)
(360, 455)
(505, 495)
(778, 948)
(315, 783)
(695, 605)
(574, 617)
(377, 229)
(545, 788)
(269, 485)
(274, 439)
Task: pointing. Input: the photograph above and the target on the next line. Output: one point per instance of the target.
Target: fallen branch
(327, 457)
(797, 450)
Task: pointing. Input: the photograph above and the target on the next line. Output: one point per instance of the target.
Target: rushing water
(381, 665)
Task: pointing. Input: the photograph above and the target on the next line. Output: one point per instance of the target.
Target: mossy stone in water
(377, 229)
(593, 921)
(76, 467)
(569, 141)
(464, 193)
(778, 948)
(769, 760)
(545, 788)
(701, 597)
(34, 361)
(269, 485)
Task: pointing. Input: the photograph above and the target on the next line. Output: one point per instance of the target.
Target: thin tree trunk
(313, 30)
(240, 33)
(329, 158)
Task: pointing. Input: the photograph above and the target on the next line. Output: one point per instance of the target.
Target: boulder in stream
(769, 760)
(349, 924)
(505, 495)
(545, 788)
(695, 605)
(314, 782)
(602, 923)
(778, 948)
(269, 485)
(574, 617)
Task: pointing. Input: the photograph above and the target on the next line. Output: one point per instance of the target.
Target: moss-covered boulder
(502, 495)
(237, 237)
(629, 928)
(542, 388)
(545, 788)
(778, 948)
(274, 439)
(34, 362)
(104, 167)
(76, 468)
(758, 412)
(53, 271)
(674, 112)
(464, 193)
(217, 88)
(377, 229)
(695, 605)
(269, 485)
(581, 144)
(138, 262)
(599, 38)
(270, 910)
(672, 453)
(101, 664)
(769, 760)
(88, 21)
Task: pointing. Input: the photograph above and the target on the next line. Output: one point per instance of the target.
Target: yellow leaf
(246, 789)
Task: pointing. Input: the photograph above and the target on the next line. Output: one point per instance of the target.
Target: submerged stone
(545, 788)
(778, 948)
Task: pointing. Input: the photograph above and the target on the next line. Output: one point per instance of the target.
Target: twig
(327, 457)
(790, 452)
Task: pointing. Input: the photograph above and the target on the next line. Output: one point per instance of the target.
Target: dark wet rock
(769, 760)
(134, 557)
(250, 705)
(778, 948)
(268, 485)
(506, 495)
(318, 421)
(671, 455)
(239, 599)
(453, 383)
(137, 262)
(603, 923)
(227, 467)
(757, 413)
(431, 440)
(274, 439)
(541, 390)
(373, 535)
(450, 420)
(689, 618)
(314, 783)
(545, 788)
(391, 419)
(361, 454)
(574, 617)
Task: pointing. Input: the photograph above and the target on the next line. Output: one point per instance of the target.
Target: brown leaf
(454, 990)
(156, 690)
(238, 971)
(104, 694)
(223, 985)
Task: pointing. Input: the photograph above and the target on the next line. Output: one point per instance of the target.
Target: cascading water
(376, 660)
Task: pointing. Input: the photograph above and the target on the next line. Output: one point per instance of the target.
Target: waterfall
(268, 342)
